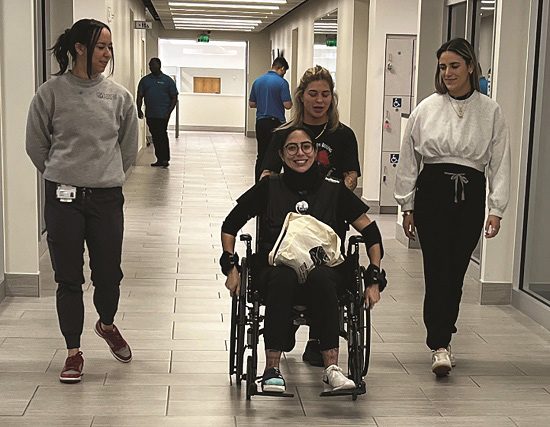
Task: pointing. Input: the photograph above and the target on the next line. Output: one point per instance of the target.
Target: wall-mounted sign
(394, 159)
(143, 25)
(396, 103)
(203, 38)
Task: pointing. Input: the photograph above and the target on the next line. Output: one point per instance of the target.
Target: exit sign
(143, 25)
(331, 43)
(203, 39)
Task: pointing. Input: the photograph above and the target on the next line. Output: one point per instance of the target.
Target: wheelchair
(246, 325)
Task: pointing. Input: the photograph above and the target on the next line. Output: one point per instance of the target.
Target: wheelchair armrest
(356, 239)
(245, 237)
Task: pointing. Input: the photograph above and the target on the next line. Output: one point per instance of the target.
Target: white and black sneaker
(273, 381)
(441, 362)
(334, 379)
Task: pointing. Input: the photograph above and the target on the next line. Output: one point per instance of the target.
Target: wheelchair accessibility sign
(396, 102)
(394, 159)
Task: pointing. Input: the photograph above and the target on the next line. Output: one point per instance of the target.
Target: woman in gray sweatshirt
(82, 135)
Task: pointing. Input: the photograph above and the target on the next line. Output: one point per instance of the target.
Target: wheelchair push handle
(245, 237)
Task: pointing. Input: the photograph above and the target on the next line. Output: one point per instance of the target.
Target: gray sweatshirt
(82, 132)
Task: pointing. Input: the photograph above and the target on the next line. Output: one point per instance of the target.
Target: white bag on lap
(305, 243)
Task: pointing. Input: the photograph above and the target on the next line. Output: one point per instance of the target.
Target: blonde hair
(464, 49)
(311, 75)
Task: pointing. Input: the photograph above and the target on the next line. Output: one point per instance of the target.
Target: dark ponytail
(86, 32)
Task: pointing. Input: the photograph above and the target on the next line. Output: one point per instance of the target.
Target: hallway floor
(174, 312)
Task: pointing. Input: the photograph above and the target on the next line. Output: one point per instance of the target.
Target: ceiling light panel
(266, 11)
(227, 6)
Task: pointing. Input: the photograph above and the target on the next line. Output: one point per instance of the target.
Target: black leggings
(280, 288)
(94, 218)
(448, 215)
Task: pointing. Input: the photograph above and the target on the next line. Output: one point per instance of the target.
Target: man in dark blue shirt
(270, 95)
(161, 96)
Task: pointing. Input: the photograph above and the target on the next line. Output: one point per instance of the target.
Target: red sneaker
(72, 371)
(118, 345)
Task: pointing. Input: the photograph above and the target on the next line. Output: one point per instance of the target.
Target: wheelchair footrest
(362, 389)
(273, 394)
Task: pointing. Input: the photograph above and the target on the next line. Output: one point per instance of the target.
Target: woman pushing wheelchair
(302, 189)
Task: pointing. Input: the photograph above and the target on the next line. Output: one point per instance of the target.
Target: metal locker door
(389, 173)
(399, 66)
(391, 133)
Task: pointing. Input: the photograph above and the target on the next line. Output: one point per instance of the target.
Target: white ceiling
(224, 15)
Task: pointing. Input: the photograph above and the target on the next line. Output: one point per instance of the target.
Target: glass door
(535, 268)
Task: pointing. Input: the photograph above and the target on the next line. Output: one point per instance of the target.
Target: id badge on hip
(65, 193)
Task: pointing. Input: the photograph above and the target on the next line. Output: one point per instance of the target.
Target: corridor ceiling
(222, 15)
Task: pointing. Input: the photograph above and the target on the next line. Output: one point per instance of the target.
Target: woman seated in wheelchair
(300, 188)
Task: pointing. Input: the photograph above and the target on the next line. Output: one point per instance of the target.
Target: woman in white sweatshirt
(461, 137)
(82, 135)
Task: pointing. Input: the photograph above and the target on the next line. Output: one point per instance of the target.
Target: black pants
(280, 288)
(159, 132)
(96, 218)
(449, 212)
(264, 132)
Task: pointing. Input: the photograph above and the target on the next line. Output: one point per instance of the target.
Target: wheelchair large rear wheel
(241, 323)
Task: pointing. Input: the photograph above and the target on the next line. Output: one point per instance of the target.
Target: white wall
(211, 111)
(232, 81)
(486, 43)
(190, 53)
(510, 74)
(20, 177)
(386, 17)
(258, 50)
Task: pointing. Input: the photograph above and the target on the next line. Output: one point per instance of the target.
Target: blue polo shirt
(157, 93)
(269, 92)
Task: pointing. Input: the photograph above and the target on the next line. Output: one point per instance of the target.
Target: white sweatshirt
(436, 134)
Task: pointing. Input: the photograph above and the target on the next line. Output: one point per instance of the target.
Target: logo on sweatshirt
(109, 96)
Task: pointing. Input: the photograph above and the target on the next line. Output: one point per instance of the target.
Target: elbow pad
(371, 235)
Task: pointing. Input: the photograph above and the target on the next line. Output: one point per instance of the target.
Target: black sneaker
(273, 381)
(312, 354)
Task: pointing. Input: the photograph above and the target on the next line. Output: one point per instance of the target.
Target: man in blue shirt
(161, 96)
(270, 95)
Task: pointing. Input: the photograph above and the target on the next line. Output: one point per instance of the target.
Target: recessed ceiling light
(226, 6)
(233, 1)
(224, 20)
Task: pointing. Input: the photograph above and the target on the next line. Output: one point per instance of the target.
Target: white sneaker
(441, 363)
(334, 379)
(451, 356)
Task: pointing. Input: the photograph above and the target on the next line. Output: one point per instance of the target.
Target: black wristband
(228, 261)
(375, 276)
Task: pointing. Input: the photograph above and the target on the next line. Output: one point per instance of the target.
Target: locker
(399, 66)
(389, 172)
(393, 107)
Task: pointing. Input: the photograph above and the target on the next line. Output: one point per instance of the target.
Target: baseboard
(235, 129)
(374, 206)
(388, 209)
(22, 285)
(2, 290)
(250, 134)
(496, 293)
(531, 307)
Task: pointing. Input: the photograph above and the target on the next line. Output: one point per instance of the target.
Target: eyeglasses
(292, 148)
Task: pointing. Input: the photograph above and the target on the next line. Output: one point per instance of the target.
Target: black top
(338, 152)
(255, 201)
